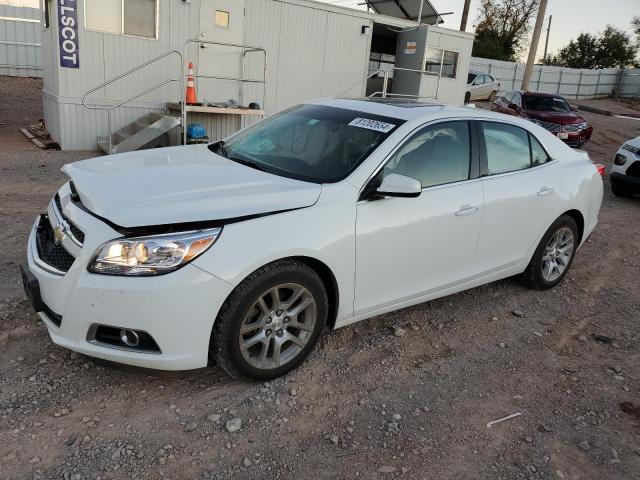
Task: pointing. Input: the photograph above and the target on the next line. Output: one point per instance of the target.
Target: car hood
(561, 118)
(634, 142)
(181, 185)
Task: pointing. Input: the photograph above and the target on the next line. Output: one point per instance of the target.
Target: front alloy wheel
(278, 326)
(271, 321)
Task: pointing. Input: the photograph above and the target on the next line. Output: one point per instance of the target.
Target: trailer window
(129, 17)
(222, 19)
(441, 60)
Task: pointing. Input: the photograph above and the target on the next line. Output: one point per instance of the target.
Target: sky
(570, 17)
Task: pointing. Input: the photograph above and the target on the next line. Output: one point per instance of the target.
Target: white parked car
(481, 86)
(325, 214)
(625, 173)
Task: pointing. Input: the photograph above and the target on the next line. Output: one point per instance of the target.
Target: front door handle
(466, 210)
(544, 191)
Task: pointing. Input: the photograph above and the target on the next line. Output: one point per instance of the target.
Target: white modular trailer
(312, 50)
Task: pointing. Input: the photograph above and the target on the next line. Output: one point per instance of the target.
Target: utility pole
(533, 49)
(465, 15)
(546, 43)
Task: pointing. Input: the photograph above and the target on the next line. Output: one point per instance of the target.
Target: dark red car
(549, 111)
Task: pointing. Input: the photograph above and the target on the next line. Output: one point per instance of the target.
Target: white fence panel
(20, 44)
(568, 82)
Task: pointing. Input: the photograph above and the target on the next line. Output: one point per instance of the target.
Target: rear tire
(619, 189)
(553, 256)
(270, 322)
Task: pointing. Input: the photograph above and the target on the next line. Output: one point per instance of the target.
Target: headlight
(631, 148)
(152, 255)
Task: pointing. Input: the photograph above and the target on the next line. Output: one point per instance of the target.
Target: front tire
(270, 322)
(553, 256)
(467, 97)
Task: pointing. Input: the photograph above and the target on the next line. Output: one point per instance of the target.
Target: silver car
(481, 86)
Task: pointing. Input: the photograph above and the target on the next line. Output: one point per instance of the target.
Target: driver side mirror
(395, 185)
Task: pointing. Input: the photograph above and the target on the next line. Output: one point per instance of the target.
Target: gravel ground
(405, 395)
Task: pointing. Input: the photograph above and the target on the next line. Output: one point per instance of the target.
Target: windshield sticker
(371, 124)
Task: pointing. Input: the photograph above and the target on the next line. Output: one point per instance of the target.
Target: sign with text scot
(68, 33)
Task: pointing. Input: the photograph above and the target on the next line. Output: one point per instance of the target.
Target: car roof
(528, 93)
(408, 109)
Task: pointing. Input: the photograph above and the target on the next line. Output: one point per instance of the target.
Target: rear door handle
(544, 191)
(466, 210)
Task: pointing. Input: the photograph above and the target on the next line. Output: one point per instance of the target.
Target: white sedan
(481, 86)
(328, 213)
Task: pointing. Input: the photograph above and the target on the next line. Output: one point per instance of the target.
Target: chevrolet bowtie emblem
(59, 233)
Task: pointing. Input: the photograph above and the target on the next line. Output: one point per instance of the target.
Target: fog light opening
(129, 337)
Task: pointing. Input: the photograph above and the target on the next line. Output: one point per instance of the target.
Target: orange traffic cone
(191, 89)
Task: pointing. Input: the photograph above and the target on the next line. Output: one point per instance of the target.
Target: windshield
(314, 143)
(546, 104)
(470, 78)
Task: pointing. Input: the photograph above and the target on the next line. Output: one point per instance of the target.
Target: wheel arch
(318, 266)
(577, 217)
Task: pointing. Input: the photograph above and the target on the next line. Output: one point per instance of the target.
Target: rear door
(407, 247)
(521, 185)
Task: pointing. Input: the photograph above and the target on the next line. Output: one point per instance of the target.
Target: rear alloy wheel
(553, 256)
(271, 321)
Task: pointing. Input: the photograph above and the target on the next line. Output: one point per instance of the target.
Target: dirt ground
(367, 404)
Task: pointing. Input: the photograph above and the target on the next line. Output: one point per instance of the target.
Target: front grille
(75, 231)
(575, 127)
(48, 251)
(634, 170)
(552, 127)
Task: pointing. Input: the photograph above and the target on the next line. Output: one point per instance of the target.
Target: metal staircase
(137, 134)
(152, 125)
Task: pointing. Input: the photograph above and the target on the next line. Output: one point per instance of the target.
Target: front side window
(313, 143)
(129, 17)
(435, 155)
(507, 148)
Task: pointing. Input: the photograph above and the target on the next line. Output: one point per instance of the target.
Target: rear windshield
(314, 143)
(546, 104)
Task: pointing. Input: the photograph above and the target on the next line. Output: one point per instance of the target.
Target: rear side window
(510, 148)
(538, 154)
(435, 155)
(507, 148)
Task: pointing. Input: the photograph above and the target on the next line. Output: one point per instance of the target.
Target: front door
(220, 21)
(406, 247)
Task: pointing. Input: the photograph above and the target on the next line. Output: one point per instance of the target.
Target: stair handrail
(362, 80)
(109, 108)
(245, 49)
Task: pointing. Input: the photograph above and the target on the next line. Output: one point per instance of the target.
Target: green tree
(579, 53)
(502, 28)
(612, 48)
(615, 49)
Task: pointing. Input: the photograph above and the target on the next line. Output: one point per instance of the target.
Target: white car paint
(482, 86)
(384, 254)
(631, 157)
